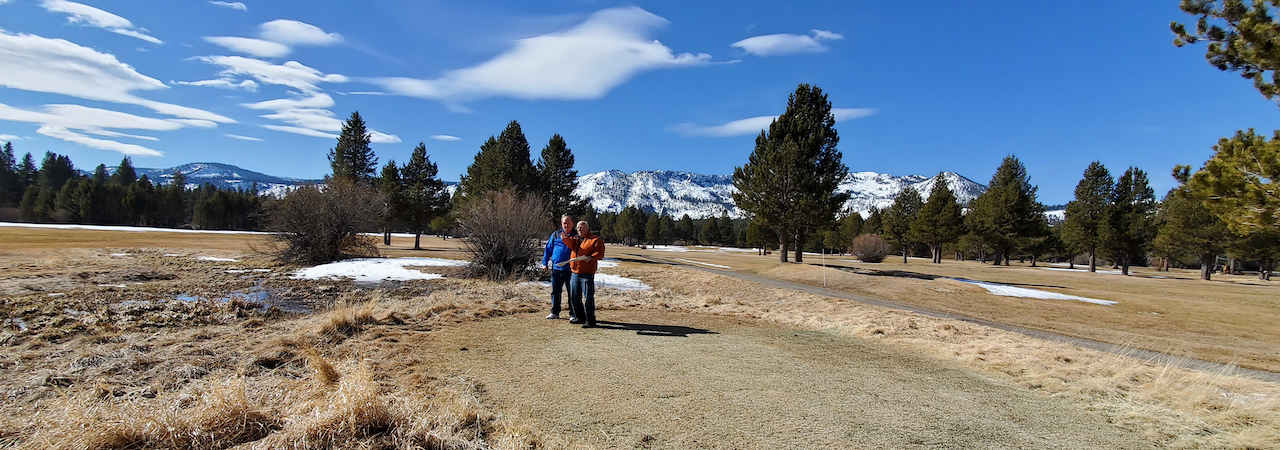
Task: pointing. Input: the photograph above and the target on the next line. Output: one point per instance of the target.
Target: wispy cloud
(221, 83)
(787, 44)
(79, 13)
(243, 138)
(232, 5)
(445, 137)
(581, 63)
(8, 137)
(276, 39)
(73, 123)
(58, 66)
(250, 46)
(754, 125)
(306, 110)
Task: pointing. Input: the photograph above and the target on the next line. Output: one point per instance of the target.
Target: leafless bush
(503, 231)
(870, 248)
(311, 225)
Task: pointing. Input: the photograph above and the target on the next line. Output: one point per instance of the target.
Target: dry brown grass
(1179, 408)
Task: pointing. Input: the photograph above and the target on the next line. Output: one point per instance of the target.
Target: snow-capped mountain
(700, 196)
(671, 192)
(662, 191)
(224, 176)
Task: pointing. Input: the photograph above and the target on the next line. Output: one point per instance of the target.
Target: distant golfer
(587, 249)
(553, 259)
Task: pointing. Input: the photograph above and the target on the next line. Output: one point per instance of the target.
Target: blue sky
(919, 87)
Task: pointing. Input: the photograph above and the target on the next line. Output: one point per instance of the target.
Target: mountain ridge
(672, 192)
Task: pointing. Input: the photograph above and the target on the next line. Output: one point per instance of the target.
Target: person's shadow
(645, 329)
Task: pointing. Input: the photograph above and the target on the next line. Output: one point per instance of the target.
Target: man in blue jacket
(553, 258)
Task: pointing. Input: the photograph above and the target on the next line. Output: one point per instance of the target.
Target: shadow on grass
(645, 329)
(633, 260)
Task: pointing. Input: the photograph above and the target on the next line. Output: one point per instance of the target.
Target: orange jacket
(585, 245)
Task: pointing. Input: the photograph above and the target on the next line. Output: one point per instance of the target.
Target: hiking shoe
(575, 321)
(553, 316)
(589, 325)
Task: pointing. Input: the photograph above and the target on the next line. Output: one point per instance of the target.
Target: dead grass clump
(325, 372)
(223, 418)
(347, 320)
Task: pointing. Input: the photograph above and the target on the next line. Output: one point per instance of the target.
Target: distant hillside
(224, 176)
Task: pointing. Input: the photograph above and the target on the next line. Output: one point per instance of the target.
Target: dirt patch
(731, 383)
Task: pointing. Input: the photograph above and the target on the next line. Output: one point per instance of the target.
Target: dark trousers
(559, 280)
(583, 287)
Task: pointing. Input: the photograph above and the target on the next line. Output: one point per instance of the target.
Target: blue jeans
(559, 280)
(583, 285)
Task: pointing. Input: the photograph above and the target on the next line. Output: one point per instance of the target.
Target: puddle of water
(256, 295)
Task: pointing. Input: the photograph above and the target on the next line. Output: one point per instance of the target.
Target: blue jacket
(556, 251)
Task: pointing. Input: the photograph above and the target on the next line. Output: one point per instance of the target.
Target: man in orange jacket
(587, 249)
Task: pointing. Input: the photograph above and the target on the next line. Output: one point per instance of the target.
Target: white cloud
(383, 138)
(250, 46)
(9, 137)
(102, 144)
(290, 74)
(58, 121)
(754, 125)
(302, 131)
(221, 83)
(445, 137)
(297, 33)
(232, 5)
(786, 44)
(243, 138)
(751, 125)
(58, 66)
(79, 13)
(276, 39)
(319, 100)
(581, 63)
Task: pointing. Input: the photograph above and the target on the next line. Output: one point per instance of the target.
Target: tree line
(55, 191)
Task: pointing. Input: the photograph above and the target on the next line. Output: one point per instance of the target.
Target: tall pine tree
(424, 195)
(1130, 228)
(940, 221)
(558, 179)
(353, 159)
(790, 179)
(1007, 213)
(899, 217)
(1087, 214)
(503, 163)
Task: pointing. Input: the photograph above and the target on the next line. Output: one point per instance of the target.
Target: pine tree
(502, 163)
(653, 229)
(1186, 226)
(424, 194)
(684, 229)
(391, 186)
(9, 186)
(1007, 213)
(27, 171)
(558, 179)
(710, 233)
(125, 174)
(1086, 215)
(1242, 37)
(940, 221)
(789, 182)
(874, 223)
(1129, 229)
(353, 159)
(899, 217)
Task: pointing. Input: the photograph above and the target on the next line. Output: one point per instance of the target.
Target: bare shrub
(313, 225)
(503, 230)
(870, 248)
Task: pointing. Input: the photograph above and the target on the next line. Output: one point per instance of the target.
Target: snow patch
(60, 226)
(1014, 291)
(216, 259)
(377, 269)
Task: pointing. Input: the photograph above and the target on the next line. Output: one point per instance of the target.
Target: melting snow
(377, 269)
(705, 264)
(1014, 291)
(119, 228)
(214, 258)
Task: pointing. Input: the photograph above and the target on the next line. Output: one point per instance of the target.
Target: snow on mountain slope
(224, 176)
